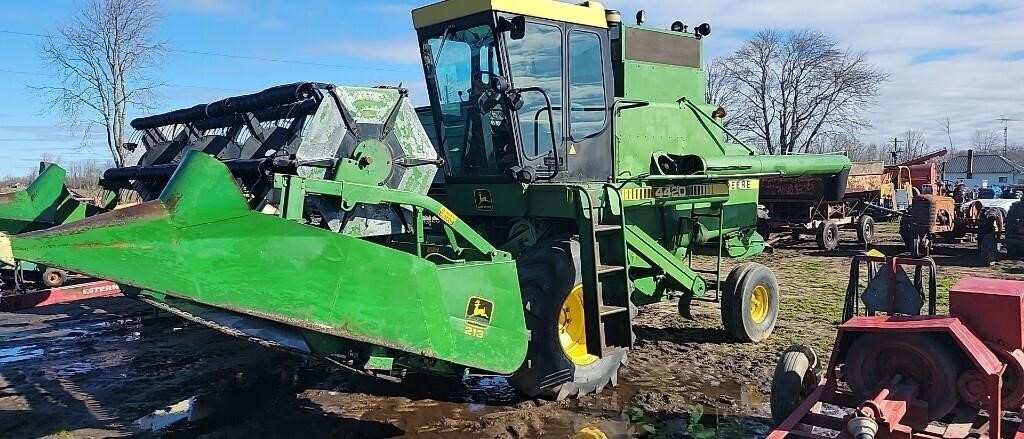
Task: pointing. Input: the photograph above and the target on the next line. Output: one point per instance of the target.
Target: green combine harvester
(574, 173)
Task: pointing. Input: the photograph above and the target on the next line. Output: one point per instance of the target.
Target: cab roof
(588, 13)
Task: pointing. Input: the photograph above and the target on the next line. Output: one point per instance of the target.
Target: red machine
(68, 293)
(906, 375)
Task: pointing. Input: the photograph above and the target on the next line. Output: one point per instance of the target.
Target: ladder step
(606, 227)
(604, 269)
(607, 310)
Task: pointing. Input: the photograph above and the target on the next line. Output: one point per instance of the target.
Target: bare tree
(99, 60)
(720, 88)
(846, 143)
(987, 140)
(793, 87)
(914, 146)
(945, 124)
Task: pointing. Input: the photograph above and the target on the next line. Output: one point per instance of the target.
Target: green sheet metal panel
(200, 241)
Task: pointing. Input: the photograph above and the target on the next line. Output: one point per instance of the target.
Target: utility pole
(1006, 143)
(895, 148)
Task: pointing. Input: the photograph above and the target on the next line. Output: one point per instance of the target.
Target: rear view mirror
(516, 27)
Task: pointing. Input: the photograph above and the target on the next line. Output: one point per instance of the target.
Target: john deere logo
(479, 311)
(478, 316)
(483, 200)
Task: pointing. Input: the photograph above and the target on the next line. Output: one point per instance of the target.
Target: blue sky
(960, 59)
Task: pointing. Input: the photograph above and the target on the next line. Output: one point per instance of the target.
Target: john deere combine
(575, 174)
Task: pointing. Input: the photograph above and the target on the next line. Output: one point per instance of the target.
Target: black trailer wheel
(53, 277)
(791, 383)
(750, 302)
(876, 357)
(557, 363)
(866, 229)
(827, 236)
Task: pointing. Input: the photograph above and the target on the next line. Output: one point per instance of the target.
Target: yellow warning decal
(744, 184)
(447, 216)
(637, 193)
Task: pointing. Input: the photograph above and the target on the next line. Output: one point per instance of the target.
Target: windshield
(475, 132)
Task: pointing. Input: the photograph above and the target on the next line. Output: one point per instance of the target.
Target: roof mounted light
(641, 17)
(703, 30)
(678, 26)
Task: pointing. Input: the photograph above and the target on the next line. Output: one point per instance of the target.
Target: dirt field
(92, 369)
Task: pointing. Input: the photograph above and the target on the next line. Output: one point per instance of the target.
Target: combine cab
(580, 171)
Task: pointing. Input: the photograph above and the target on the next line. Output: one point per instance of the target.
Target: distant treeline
(82, 175)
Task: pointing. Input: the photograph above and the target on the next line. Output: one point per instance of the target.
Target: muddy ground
(92, 369)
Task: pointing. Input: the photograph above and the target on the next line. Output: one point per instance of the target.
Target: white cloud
(977, 83)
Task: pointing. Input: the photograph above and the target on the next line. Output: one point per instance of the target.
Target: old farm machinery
(900, 370)
(817, 206)
(44, 203)
(308, 219)
(957, 214)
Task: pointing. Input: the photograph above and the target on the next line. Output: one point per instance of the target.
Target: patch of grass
(62, 434)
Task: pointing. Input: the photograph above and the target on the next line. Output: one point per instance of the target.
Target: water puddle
(20, 353)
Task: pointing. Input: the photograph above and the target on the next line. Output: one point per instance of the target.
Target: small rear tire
(750, 302)
(827, 236)
(53, 277)
(866, 229)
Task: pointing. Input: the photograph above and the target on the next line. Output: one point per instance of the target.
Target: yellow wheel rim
(759, 304)
(572, 334)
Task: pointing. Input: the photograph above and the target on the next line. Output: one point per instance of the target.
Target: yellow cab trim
(588, 13)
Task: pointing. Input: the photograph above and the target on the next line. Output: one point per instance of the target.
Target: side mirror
(516, 27)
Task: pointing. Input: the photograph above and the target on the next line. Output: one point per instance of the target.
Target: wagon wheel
(866, 229)
(53, 277)
(827, 236)
(918, 357)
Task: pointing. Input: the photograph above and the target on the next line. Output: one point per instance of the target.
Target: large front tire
(750, 302)
(557, 364)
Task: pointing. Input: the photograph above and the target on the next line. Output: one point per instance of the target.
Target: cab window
(587, 100)
(536, 61)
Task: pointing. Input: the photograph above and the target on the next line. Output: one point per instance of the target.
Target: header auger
(567, 199)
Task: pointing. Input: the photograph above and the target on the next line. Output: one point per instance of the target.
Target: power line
(284, 61)
(254, 58)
